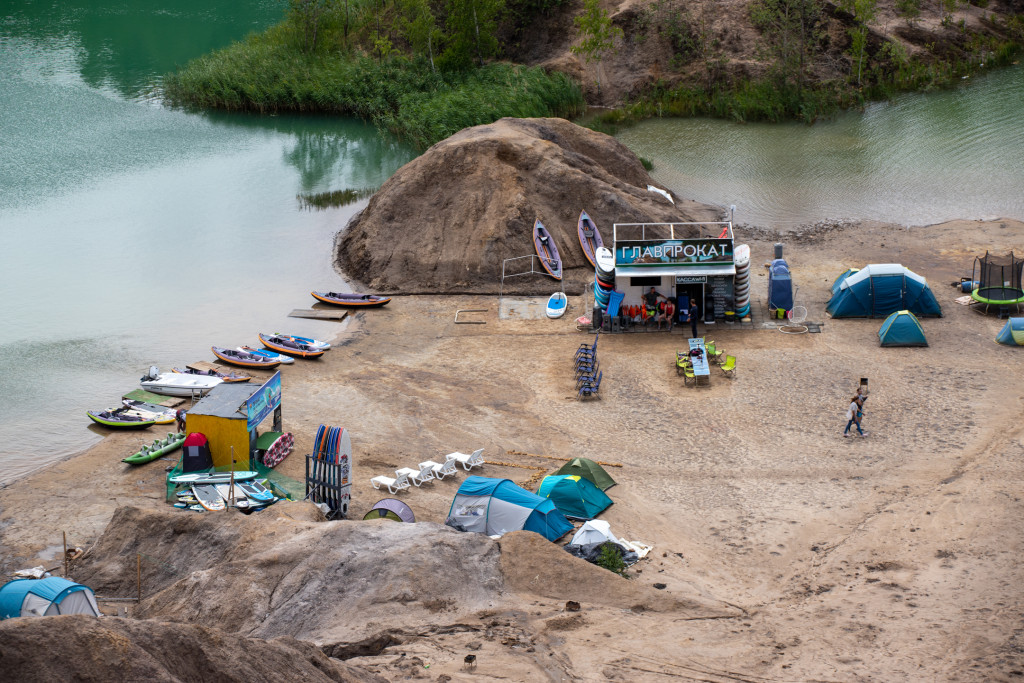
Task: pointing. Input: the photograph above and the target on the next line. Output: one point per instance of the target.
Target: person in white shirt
(853, 414)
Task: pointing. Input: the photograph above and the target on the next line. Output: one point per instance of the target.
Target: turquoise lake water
(138, 235)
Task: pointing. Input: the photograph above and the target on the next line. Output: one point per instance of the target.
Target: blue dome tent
(46, 597)
(496, 506)
(902, 328)
(880, 289)
(1012, 333)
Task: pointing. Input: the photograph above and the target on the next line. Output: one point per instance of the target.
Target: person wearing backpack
(853, 415)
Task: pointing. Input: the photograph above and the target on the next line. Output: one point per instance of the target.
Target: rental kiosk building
(686, 261)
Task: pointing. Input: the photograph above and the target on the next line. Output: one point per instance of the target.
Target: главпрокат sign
(655, 253)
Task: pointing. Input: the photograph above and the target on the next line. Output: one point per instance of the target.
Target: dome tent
(902, 328)
(1012, 333)
(494, 507)
(391, 508)
(574, 496)
(880, 289)
(589, 470)
(46, 597)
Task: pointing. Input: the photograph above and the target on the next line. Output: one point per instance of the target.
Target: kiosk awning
(640, 271)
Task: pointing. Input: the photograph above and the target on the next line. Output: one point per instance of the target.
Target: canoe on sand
(590, 238)
(351, 299)
(546, 250)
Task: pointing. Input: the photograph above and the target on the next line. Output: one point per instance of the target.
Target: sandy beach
(815, 557)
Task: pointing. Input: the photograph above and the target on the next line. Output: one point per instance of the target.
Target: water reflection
(123, 47)
(918, 160)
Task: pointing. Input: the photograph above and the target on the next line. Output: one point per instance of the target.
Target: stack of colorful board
(741, 291)
(328, 469)
(604, 276)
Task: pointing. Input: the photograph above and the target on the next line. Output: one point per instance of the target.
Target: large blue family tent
(46, 597)
(879, 289)
(496, 506)
(780, 286)
(902, 328)
(1012, 333)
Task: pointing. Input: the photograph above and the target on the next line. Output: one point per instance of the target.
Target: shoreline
(848, 558)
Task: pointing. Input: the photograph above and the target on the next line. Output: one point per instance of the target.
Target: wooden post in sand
(231, 483)
(65, 554)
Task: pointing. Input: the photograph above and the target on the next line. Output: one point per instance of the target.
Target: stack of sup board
(604, 282)
(741, 284)
(248, 495)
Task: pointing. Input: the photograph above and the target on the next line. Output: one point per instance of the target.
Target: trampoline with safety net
(999, 282)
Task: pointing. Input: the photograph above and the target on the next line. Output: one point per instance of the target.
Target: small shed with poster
(229, 416)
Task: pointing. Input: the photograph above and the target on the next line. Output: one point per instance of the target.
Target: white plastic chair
(440, 469)
(400, 483)
(417, 477)
(470, 460)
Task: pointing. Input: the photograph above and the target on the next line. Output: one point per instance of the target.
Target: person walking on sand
(853, 415)
(693, 317)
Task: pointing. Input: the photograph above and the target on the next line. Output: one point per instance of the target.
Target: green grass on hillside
(266, 74)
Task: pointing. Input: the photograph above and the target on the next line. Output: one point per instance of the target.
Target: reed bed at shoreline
(402, 96)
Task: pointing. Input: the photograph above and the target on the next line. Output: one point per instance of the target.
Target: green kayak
(158, 448)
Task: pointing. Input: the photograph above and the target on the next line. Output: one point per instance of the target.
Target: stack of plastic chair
(585, 365)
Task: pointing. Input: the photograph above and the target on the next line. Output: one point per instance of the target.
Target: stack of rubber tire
(741, 284)
(604, 285)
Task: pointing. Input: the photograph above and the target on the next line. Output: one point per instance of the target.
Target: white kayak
(557, 303)
(174, 384)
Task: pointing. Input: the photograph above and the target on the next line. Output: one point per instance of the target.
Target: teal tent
(1012, 333)
(902, 328)
(574, 496)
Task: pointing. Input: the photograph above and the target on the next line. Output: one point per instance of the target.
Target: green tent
(589, 470)
(574, 496)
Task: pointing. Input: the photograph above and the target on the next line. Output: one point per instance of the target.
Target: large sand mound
(82, 648)
(333, 583)
(446, 220)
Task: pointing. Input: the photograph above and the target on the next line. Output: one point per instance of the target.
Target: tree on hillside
(421, 28)
(309, 17)
(471, 25)
(597, 33)
(863, 11)
(792, 29)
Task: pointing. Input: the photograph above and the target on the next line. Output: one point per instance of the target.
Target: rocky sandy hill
(445, 221)
(666, 43)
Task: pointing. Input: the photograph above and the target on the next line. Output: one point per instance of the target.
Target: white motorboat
(174, 384)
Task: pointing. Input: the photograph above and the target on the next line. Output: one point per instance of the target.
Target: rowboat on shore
(590, 238)
(351, 299)
(282, 344)
(546, 250)
(243, 358)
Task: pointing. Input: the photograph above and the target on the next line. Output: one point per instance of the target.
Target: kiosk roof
(225, 400)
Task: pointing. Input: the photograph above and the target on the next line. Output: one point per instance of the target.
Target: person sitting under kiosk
(651, 304)
(668, 313)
